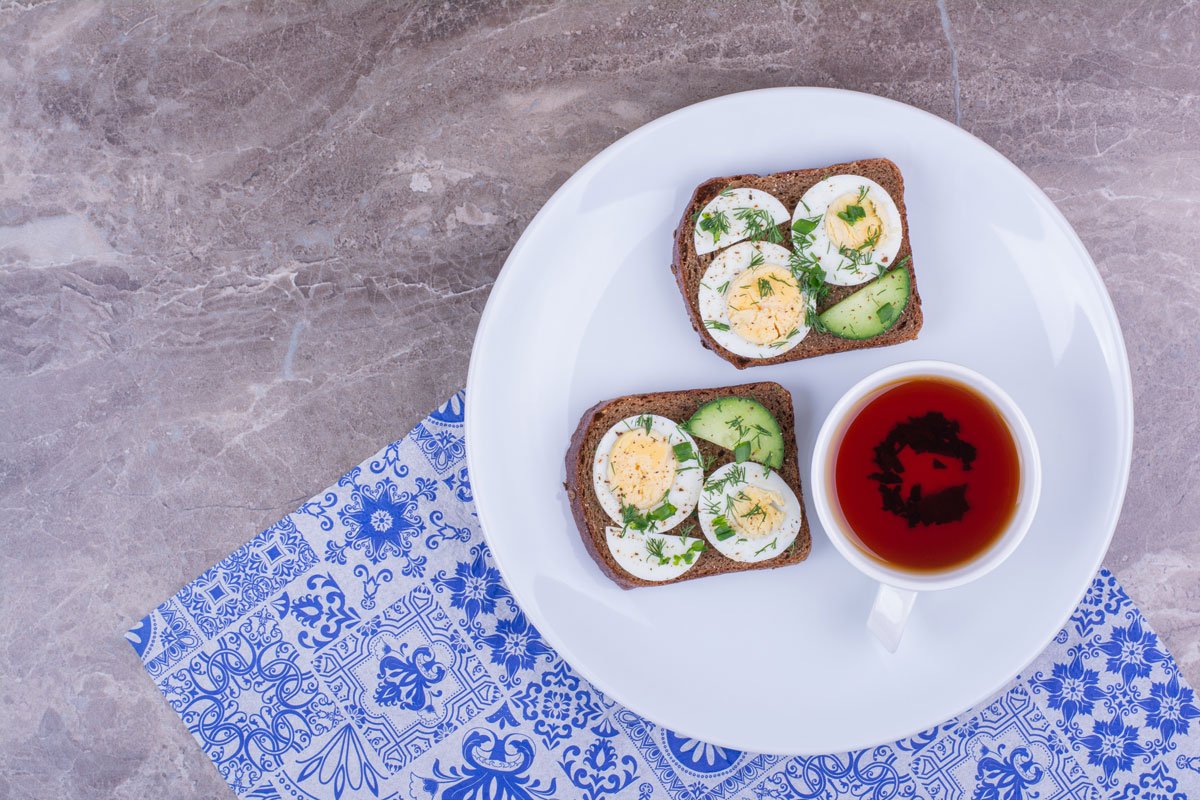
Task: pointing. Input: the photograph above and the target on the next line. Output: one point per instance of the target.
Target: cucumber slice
(742, 425)
(870, 311)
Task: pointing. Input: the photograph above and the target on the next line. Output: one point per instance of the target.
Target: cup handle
(889, 615)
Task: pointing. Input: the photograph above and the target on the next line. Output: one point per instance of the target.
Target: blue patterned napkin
(365, 646)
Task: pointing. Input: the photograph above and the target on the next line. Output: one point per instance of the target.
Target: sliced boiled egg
(737, 214)
(851, 226)
(751, 303)
(653, 557)
(647, 473)
(748, 512)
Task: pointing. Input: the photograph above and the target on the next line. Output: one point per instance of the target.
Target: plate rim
(592, 165)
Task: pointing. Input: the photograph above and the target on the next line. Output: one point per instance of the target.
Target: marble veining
(242, 246)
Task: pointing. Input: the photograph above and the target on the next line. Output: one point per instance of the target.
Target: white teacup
(899, 587)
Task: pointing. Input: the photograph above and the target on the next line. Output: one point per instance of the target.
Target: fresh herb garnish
(787, 337)
(722, 529)
(872, 239)
(655, 548)
(759, 224)
(748, 437)
(715, 223)
(764, 287)
(854, 212)
(861, 256)
(665, 511)
(803, 226)
(756, 511)
(632, 519)
(766, 546)
(813, 320)
(852, 256)
(809, 275)
(851, 214)
(689, 555)
(656, 552)
(715, 325)
(645, 422)
(735, 476)
(698, 546)
(757, 260)
(684, 452)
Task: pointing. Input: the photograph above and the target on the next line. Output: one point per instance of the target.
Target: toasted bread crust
(590, 518)
(789, 187)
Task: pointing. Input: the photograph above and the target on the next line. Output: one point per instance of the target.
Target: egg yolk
(764, 304)
(859, 224)
(756, 511)
(641, 468)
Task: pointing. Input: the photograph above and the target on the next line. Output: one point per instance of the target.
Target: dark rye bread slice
(789, 187)
(679, 406)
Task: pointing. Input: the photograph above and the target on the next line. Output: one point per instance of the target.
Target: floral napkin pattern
(366, 646)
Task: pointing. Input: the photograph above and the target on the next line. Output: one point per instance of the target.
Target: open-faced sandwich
(670, 486)
(798, 264)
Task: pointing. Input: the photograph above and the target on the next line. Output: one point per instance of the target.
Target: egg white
(744, 548)
(839, 269)
(685, 489)
(729, 202)
(628, 548)
(713, 305)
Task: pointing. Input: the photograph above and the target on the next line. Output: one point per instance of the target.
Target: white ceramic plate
(780, 661)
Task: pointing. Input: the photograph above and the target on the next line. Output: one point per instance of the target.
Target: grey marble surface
(239, 250)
